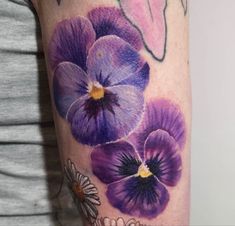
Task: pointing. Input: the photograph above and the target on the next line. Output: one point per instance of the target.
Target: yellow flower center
(78, 191)
(144, 171)
(97, 92)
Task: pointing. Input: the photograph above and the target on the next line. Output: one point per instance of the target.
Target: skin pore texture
(120, 90)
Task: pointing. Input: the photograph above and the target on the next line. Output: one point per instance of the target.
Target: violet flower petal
(139, 197)
(115, 161)
(71, 41)
(69, 84)
(112, 61)
(162, 158)
(160, 114)
(108, 119)
(110, 21)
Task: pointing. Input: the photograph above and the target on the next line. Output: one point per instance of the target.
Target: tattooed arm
(118, 74)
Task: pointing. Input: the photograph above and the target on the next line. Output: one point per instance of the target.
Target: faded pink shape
(149, 17)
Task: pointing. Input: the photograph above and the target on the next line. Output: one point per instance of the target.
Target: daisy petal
(71, 41)
(112, 162)
(91, 210)
(70, 175)
(107, 221)
(69, 83)
(120, 222)
(92, 191)
(112, 61)
(88, 186)
(84, 210)
(93, 199)
(139, 197)
(110, 21)
(85, 181)
(162, 157)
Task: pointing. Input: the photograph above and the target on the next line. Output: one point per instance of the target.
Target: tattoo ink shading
(150, 19)
(185, 6)
(117, 222)
(85, 193)
(111, 21)
(138, 170)
(99, 75)
(58, 1)
(98, 84)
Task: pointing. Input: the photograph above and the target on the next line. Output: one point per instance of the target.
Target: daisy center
(144, 171)
(97, 92)
(78, 191)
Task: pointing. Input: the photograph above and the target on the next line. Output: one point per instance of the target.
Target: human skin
(165, 85)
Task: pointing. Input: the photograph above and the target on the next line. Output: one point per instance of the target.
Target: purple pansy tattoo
(138, 170)
(98, 84)
(99, 76)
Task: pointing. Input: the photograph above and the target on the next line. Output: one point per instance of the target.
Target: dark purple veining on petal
(111, 121)
(113, 61)
(115, 161)
(119, 111)
(69, 83)
(97, 121)
(71, 42)
(160, 114)
(94, 107)
(137, 186)
(162, 157)
(110, 21)
(139, 197)
(140, 79)
(127, 54)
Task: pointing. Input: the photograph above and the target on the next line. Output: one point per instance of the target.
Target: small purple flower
(99, 76)
(136, 178)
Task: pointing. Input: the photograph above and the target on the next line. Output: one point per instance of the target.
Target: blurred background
(212, 46)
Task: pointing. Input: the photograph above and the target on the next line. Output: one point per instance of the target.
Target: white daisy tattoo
(85, 193)
(118, 222)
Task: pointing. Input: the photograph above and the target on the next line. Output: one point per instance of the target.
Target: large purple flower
(138, 175)
(99, 76)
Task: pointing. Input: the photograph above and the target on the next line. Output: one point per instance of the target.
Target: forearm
(122, 107)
